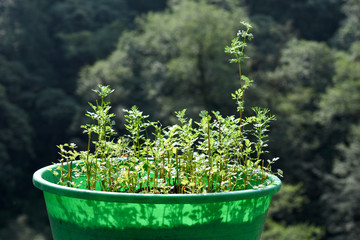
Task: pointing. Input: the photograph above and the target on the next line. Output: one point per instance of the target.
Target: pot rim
(40, 180)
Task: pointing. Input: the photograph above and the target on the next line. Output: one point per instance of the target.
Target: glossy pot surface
(94, 215)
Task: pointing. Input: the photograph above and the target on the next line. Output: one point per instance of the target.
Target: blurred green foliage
(311, 19)
(349, 31)
(340, 197)
(339, 108)
(173, 60)
(168, 55)
(281, 223)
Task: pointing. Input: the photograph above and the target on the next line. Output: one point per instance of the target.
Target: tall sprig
(237, 49)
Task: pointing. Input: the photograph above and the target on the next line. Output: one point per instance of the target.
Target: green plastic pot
(94, 215)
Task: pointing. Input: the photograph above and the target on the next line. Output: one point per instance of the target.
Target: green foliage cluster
(180, 54)
(40, 57)
(167, 55)
(339, 109)
(289, 201)
(215, 154)
(349, 32)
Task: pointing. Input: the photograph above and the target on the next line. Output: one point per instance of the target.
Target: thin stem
(177, 171)
(209, 156)
(88, 167)
(148, 169)
(62, 172)
(242, 94)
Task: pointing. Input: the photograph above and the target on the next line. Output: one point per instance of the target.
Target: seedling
(216, 154)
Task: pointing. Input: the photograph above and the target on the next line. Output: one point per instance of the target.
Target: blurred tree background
(164, 56)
